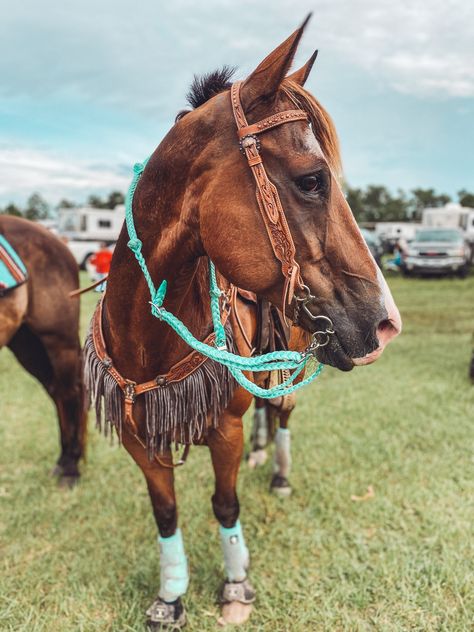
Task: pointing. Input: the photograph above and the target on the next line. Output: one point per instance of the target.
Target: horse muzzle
(345, 342)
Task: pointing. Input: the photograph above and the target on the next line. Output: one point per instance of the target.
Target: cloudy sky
(89, 87)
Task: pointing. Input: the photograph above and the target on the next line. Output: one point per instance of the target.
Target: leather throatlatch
(267, 195)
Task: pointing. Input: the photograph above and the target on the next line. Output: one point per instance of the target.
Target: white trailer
(84, 228)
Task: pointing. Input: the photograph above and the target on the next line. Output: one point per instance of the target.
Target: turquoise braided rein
(289, 360)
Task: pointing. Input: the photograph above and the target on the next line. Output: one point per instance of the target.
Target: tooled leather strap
(267, 195)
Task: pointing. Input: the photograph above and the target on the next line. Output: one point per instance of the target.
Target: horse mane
(321, 122)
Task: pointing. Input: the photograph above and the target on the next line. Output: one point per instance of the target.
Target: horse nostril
(386, 331)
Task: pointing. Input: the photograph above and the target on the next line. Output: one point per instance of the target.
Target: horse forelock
(206, 86)
(321, 123)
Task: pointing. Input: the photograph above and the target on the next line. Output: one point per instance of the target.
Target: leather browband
(267, 195)
(272, 121)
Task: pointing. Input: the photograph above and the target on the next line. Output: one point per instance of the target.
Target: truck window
(105, 223)
(83, 226)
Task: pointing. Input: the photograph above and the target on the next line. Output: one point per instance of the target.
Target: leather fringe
(176, 412)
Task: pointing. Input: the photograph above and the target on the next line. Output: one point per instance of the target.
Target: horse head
(335, 270)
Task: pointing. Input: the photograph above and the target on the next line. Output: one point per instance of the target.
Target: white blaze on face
(388, 328)
(392, 325)
(310, 143)
(388, 302)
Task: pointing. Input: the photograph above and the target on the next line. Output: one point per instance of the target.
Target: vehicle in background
(452, 215)
(390, 233)
(84, 229)
(437, 251)
(374, 244)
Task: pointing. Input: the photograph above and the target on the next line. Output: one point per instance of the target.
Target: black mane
(207, 86)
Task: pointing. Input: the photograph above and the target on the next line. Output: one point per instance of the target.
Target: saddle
(12, 269)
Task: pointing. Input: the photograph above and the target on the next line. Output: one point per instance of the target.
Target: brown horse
(195, 200)
(40, 324)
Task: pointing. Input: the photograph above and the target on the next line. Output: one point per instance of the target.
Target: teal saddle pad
(12, 269)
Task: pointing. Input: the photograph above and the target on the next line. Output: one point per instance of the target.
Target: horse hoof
(256, 458)
(235, 613)
(166, 616)
(68, 482)
(65, 480)
(280, 486)
(237, 599)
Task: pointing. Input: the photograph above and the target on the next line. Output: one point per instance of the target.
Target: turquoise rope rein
(290, 360)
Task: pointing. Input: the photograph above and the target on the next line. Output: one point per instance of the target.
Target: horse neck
(139, 344)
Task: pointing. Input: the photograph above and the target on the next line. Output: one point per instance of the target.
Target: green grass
(87, 560)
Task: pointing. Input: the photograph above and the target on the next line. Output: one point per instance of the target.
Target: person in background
(402, 246)
(101, 262)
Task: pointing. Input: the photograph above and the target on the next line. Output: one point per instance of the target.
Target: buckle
(248, 141)
(129, 391)
(107, 362)
(158, 612)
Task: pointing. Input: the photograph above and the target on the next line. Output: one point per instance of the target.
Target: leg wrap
(282, 456)
(174, 576)
(260, 428)
(236, 554)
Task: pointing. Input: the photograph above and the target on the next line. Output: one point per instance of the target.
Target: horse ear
(266, 78)
(300, 76)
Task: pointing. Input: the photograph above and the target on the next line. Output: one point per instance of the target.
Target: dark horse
(196, 199)
(40, 324)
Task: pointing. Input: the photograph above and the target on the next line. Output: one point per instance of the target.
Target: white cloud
(112, 53)
(123, 73)
(423, 48)
(27, 170)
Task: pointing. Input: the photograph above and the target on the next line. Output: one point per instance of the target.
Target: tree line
(375, 203)
(37, 208)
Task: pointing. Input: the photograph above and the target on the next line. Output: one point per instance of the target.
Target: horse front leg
(226, 446)
(260, 435)
(167, 611)
(282, 456)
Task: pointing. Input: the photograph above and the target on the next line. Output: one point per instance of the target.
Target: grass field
(87, 560)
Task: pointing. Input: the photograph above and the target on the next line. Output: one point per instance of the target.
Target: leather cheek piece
(267, 195)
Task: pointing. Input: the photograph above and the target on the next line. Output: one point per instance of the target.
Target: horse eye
(309, 184)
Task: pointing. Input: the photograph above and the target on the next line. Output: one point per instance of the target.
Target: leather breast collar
(180, 371)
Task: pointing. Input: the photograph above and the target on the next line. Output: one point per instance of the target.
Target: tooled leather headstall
(267, 195)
